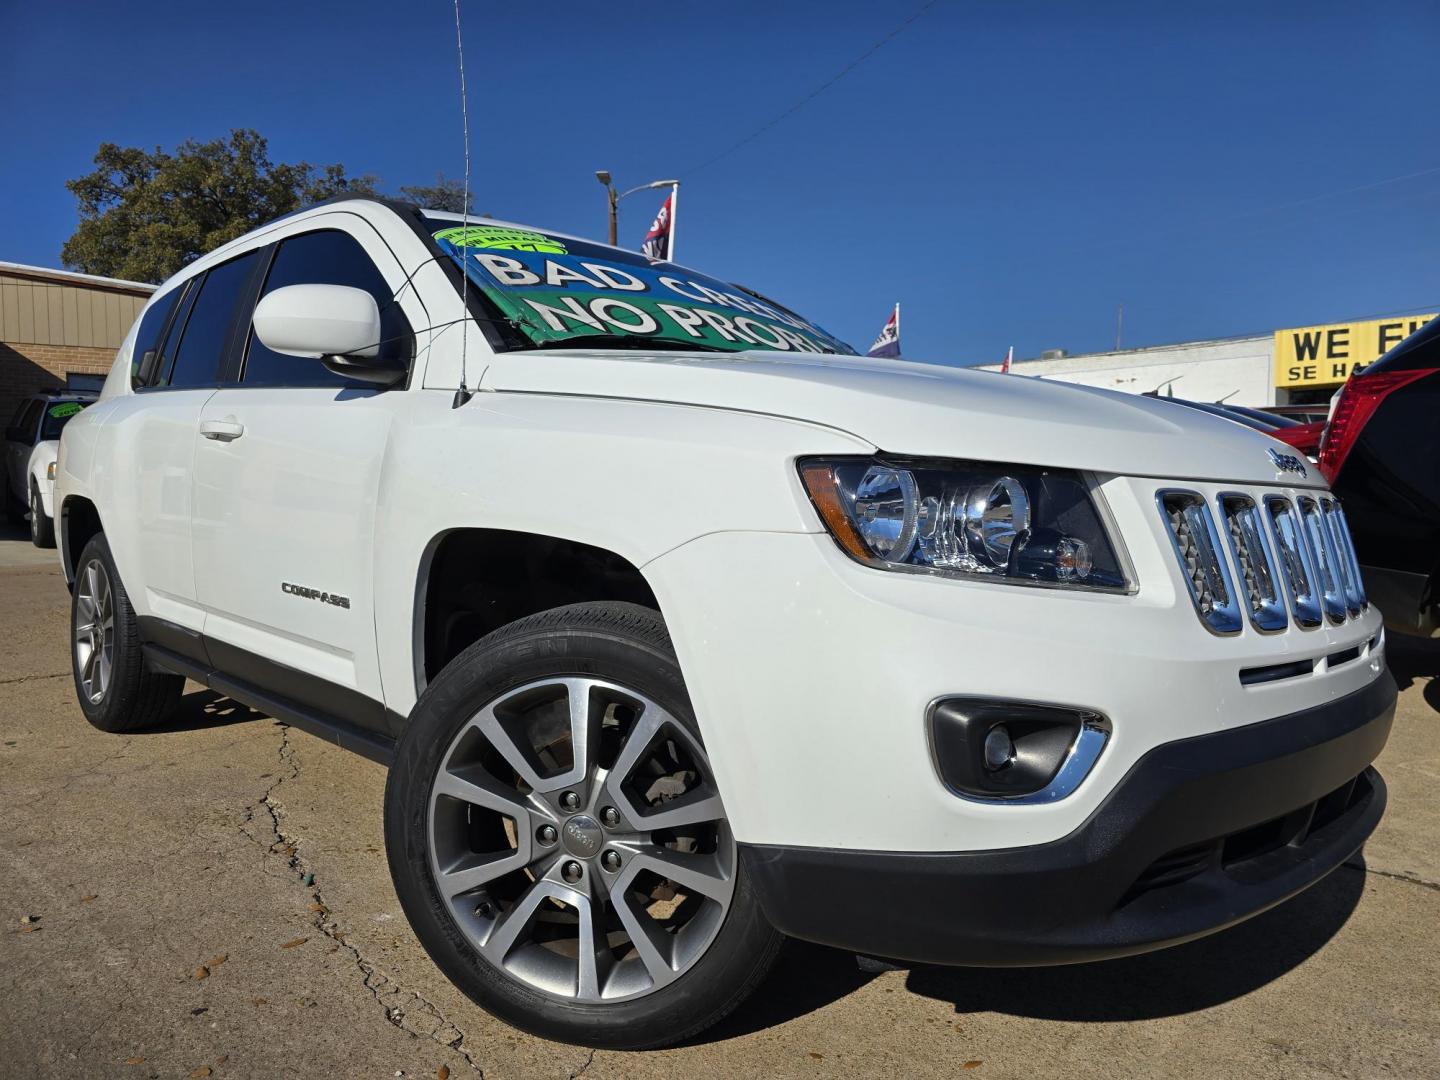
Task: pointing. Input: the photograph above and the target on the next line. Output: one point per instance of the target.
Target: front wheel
(558, 842)
(42, 528)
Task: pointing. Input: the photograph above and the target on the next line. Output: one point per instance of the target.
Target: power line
(814, 93)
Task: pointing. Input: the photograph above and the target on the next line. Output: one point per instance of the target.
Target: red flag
(660, 240)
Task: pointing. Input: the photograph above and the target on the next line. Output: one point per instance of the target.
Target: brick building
(55, 324)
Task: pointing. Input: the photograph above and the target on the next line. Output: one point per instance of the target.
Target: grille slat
(1298, 570)
(1344, 557)
(1256, 566)
(1192, 533)
(1325, 558)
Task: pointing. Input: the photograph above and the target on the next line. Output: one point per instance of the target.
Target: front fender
(635, 478)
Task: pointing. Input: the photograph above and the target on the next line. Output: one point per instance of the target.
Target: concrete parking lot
(211, 899)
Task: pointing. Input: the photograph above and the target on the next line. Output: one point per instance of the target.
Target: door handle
(226, 430)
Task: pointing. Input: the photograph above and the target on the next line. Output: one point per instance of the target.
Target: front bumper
(1200, 834)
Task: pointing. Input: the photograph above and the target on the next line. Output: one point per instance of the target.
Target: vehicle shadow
(1171, 982)
(1412, 658)
(203, 709)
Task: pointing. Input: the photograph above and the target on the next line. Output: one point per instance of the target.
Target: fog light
(992, 748)
(999, 748)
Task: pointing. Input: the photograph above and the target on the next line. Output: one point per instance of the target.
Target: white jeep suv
(683, 628)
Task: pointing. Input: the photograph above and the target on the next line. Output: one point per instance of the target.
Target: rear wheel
(116, 691)
(558, 842)
(42, 528)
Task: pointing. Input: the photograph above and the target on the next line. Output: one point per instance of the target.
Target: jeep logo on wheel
(582, 835)
(1286, 462)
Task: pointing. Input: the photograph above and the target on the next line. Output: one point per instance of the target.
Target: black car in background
(1381, 454)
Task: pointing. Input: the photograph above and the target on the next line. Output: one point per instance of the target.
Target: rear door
(287, 483)
(143, 465)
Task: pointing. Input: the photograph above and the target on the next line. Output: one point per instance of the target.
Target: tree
(144, 215)
(444, 194)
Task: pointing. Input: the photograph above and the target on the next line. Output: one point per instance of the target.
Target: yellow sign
(1328, 355)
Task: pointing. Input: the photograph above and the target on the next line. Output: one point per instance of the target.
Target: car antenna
(463, 394)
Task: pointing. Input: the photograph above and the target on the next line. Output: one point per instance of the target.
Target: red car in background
(1304, 437)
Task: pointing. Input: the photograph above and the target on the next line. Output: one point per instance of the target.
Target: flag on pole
(660, 240)
(888, 343)
(1009, 355)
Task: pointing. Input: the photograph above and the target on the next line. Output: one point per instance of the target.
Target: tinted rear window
(147, 337)
(207, 330)
(57, 415)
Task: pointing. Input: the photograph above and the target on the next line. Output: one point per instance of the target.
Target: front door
(287, 483)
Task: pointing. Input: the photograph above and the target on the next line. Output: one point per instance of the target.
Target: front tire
(42, 528)
(116, 691)
(558, 843)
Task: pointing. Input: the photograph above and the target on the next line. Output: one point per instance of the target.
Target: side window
(31, 421)
(207, 328)
(324, 258)
(147, 337)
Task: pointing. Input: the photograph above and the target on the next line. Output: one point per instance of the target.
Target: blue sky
(1009, 172)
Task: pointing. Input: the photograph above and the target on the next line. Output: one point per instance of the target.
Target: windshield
(57, 416)
(556, 290)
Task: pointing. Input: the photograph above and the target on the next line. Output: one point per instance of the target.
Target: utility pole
(603, 175)
(1119, 325)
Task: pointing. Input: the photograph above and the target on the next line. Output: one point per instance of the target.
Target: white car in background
(683, 628)
(32, 442)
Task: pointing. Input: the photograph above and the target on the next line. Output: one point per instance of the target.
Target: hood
(904, 407)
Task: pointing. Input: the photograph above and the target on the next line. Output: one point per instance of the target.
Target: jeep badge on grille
(1286, 462)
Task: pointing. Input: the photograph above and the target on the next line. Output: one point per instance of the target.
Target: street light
(603, 175)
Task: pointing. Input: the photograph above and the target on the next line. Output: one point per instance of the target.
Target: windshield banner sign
(557, 290)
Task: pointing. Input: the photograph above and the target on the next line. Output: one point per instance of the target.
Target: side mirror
(333, 323)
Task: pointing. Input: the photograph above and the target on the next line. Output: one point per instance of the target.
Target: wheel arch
(78, 522)
(472, 581)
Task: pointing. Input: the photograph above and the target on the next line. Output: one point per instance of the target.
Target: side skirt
(161, 639)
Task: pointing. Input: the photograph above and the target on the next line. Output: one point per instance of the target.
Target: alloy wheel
(94, 630)
(35, 516)
(578, 840)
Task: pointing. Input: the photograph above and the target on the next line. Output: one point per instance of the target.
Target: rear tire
(42, 528)
(117, 692)
(549, 800)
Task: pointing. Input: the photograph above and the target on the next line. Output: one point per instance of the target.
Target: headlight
(1013, 523)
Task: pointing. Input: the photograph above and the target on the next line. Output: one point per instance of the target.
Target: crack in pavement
(1393, 876)
(32, 678)
(405, 1009)
(588, 1062)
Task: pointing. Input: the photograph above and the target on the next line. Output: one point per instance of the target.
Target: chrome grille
(1257, 571)
(1192, 532)
(1282, 559)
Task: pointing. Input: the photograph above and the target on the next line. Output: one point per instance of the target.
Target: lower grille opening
(1344, 656)
(1180, 865)
(1271, 672)
(1241, 854)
